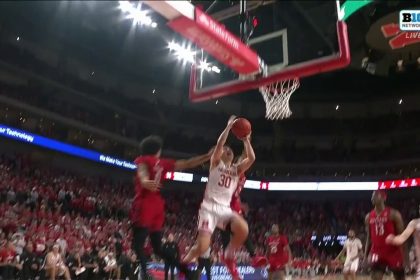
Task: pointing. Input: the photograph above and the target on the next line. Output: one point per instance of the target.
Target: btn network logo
(410, 20)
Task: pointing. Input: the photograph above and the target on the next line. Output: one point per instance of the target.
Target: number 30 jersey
(380, 226)
(222, 184)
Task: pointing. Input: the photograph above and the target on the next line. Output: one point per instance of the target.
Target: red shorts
(276, 263)
(390, 257)
(149, 213)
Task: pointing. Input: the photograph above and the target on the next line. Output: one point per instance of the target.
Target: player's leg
(239, 228)
(377, 274)
(250, 247)
(395, 262)
(156, 242)
(353, 269)
(200, 267)
(201, 245)
(225, 236)
(282, 274)
(156, 226)
(207, 266)
(399, 274)
(346, 269)
(206, 225)
(139, 239)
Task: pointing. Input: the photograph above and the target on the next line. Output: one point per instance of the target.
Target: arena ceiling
(98, 33)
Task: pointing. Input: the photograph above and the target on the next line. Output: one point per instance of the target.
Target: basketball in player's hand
(241, 128)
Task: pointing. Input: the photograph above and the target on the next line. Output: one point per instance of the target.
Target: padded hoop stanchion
(322, 65)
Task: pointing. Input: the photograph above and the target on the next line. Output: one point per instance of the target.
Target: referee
(204, 262)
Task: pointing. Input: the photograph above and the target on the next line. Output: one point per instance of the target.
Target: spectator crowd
(50, 214)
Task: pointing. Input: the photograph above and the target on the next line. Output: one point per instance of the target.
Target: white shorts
(212, 215)
(351, 266)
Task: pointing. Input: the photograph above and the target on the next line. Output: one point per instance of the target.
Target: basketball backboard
(286, 35)
(282, 40)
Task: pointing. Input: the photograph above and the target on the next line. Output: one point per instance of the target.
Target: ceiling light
(215, 69)
(182, 53)
(204, 65)
(125, 6)
(138, 15)
(400, 102)
(337, 107)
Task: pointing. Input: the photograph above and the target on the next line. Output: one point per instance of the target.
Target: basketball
(241, 128)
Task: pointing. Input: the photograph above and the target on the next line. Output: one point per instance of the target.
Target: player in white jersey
(215, 209)
(353, 250)
(413, 228)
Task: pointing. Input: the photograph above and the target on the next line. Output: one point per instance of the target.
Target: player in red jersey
(236, 205)
(148, 208)
(381, 222)
(279, 254)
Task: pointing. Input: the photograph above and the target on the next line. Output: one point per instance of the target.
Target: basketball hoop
(276, 97)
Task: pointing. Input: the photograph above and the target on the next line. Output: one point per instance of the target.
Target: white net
(276, 97)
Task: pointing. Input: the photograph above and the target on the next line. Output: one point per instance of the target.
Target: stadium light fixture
(186, 54)
(215, 69)
(135, 13)
(182, 53)
(204, 65)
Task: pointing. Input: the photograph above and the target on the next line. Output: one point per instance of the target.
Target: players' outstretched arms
(249, 157)
(183, 164)
(367, 245)
(218, 149)
(401, 238)
(144, 177)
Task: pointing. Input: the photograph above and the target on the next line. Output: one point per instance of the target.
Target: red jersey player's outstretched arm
(367, 246)
(249, 158)
(183, 164)
(218, 149)
(144, 178)
(401, 238)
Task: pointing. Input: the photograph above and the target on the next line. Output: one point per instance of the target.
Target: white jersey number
(379, 229)
(224, 181)
(273, 249)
